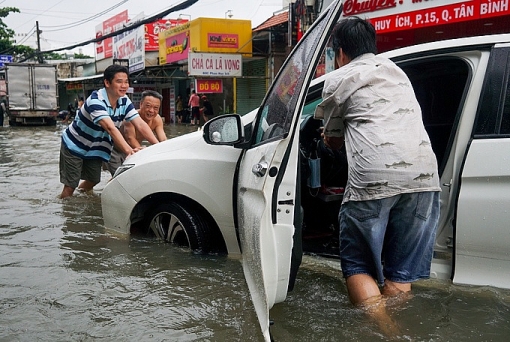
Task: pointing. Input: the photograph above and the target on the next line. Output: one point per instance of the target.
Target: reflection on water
(63, 277)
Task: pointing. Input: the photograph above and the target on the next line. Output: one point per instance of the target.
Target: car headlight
(122, 169)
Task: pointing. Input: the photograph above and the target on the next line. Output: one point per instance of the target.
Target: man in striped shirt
(89, 140)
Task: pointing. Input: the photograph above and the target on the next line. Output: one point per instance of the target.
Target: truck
(31, 93)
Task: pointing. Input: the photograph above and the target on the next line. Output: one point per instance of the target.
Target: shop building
(212, 53)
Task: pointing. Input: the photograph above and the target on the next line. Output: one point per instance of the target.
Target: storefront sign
(453, 13)
(122, 62)
(73, 86)
(222, 40)
(177, 47)
(215, 64)
(5, 59)
(174, 44)
(395, 15)
(213, 35)
(130, 45)
(104, 49)
(209, 86)
(152, 31)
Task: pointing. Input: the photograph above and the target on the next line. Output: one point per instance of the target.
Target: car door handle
(259, 169)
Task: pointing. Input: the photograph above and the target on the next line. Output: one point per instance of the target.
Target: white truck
(32, 93)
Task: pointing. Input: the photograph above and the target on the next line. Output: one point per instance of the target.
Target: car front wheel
(173, 223)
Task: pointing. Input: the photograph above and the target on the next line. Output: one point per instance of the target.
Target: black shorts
(195, 112)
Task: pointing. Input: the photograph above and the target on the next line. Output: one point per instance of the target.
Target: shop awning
(80, 79)
(275, 20)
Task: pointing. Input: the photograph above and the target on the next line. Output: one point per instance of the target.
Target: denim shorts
(390, 238)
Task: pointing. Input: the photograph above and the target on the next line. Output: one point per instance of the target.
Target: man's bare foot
(375, 307)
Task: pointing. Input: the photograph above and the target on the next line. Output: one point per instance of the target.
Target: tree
(81, 56)
(19, 52)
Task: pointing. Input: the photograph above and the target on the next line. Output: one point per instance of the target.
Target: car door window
(493, 116)
(439, 84)
(276, 113)
(505, 122)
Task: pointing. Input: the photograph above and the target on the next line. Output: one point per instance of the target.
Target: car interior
(440, 85)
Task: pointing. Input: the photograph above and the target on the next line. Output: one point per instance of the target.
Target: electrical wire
(82, 21)
(180, 6)
(24, 39)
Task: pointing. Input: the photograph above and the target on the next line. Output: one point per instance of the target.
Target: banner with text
(215, 64)
(153, 29)
(209, 85)
(104, 49)
(131, 45)
(393, 15)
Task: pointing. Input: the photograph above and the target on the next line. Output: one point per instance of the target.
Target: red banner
(458, 12)
(104, 48)
(153, 29)
(209, 86)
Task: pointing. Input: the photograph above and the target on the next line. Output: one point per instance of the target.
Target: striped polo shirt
(85, 138)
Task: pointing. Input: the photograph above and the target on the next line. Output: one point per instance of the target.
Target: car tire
(173, 223)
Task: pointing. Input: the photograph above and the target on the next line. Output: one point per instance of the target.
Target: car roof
(450, 44)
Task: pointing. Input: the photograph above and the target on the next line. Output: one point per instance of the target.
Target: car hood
(167, 146)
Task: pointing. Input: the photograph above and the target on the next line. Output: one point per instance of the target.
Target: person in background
(194, 103)
(207, 109)
(149, 112)
(179, 108)
(69, 113)
(79, 105)
(3, 112)
(390, 211)
(88, 141)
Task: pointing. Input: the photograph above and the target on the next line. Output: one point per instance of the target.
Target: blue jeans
(390, 238)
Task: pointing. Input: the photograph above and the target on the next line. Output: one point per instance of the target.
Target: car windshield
(277, 112)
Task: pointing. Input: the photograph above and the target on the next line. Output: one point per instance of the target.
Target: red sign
(448, 14)
(209, 86)
(222, 40)
(152, 31)
(354, 7)
(74, 86)
(104, 48)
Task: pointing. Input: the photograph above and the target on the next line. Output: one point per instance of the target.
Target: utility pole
(39, 56)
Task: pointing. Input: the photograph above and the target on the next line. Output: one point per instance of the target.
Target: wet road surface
(63, 277)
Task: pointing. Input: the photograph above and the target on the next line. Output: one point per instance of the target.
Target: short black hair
(355, 36)
(109, 73)
(152, 93)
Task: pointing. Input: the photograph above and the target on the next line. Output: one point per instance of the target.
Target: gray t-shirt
(371, 103)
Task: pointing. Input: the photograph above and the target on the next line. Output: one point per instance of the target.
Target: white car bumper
(117, 206)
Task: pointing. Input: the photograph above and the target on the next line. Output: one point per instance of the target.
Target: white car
(240, 185)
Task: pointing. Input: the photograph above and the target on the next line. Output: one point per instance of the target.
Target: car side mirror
(224, 130)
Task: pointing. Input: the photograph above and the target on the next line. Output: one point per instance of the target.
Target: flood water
(63, 277)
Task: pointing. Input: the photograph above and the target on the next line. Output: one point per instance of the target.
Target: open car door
(268, 172)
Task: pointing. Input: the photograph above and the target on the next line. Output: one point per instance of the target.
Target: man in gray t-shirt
(390, 210)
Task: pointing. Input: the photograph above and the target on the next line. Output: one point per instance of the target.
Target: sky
(67, 22)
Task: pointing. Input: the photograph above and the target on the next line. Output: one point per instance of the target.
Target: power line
(181, 6)
(82, 21)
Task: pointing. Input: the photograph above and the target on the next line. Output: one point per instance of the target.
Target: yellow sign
(204, 35)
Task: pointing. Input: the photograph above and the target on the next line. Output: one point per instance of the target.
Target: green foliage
(23, 52)
(55, 56)
(81, 56)
(19, 52)
(5, 32)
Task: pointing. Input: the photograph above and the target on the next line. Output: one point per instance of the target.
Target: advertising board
(104, 48)
(215, 64)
